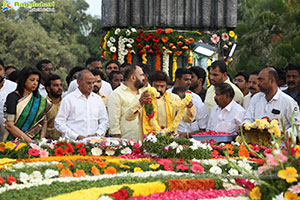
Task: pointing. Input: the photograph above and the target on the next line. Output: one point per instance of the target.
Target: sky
(94, 6)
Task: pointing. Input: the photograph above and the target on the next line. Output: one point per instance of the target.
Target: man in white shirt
(252, 87)
(82, 113)
(271, 101)
(46, 69)
(241, 80)
(6, 87)
(218, 74)
(120, 100)
(227, 115)
(183, 78)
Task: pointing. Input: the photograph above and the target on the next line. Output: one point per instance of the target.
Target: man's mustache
(291, 83)
(252, 88)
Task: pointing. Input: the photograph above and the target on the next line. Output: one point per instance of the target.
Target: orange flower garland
(186, 184)
(129, 57)
(157, 63)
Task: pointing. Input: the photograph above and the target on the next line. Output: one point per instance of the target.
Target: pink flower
(168, 168)
(225, 47)
(215, 38)
(44, 153)
(34, 146)
(33, 152)
(271, 160)
(262, 169)
(225, 36)
(197, 168)
(295, 189)
(50, 145)
(182, 167)
(268, 151)
(164, 162)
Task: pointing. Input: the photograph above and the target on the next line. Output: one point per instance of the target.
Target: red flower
(33, 152)
(79, 145)
(10, 180)
(162, 127)
(182, 167)
(146, 37)
(156, 47)
(1, 181)
(197, 168)
(142, 52)
(69, 150)
(147, 47)
(267, 118)
(139, 46)
(150, 51)
(151, 35)
(156, 39)
(141, 32)
(139, 38)
(157, 52)
(190, 92)
(82, 151)
(168, 168)
(59, 151)
(158, 31)
(179, 160)
(151, 116)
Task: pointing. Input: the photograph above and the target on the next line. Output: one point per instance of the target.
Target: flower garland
(151, 111)
(174, 68)
(166, 62)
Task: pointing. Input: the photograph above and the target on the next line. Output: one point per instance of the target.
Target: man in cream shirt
(218, 74)
(120, 100)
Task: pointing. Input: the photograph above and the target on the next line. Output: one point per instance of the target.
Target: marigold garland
(174, 68)
(157, 63)
(129, 57)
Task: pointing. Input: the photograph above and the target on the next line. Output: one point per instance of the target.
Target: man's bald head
(272, 73)
(85, 82)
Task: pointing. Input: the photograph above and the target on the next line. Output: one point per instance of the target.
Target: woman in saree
(25, 109)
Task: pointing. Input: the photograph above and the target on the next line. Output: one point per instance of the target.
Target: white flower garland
(166, 62)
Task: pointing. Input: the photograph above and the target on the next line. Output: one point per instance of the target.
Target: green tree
(268, 34)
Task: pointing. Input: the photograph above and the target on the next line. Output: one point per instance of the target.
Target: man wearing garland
(164, 111)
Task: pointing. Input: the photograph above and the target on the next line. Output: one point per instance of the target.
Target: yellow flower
(255, 194)
(2, 143)
(297, 148)
(124, 166)
(289, 174)
(247, 126)
(154, 166)
(10, 145)
(231, 33)
(20, 146)
(235, 37)
(229, 43)
(138, 169)
(291, 196)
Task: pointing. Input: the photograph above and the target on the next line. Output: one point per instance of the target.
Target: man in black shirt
(293, 82)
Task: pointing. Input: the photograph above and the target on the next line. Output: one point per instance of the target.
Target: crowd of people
(33, 104)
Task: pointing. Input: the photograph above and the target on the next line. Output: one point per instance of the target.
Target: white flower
(132, 51)
(124, 52)
(117, 31)
(131, 142)
(279, 197)
(179, 149)
(113, 49)
(112, 39)
(131, 40)
(215, 170)
(109, 44)
(129, 46)
(174, 145)
(151, 138)
(121, 46)
(36, 176)
(133, 30)
(124, 40)
(127, 150)
(128, 32)
(110, 152)
(233, 172)
(19, 165)
(105, 197)
(24, 178)
(96, 151)
(50, 173)
(223, 162)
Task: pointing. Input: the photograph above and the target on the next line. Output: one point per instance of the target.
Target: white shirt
(105, 89)
(42, 90)
(280, 105)
(78, 115)
(226, 119)
(7, 88)
(246, 101)
(201, 117)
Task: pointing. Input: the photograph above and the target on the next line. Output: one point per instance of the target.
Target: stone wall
(179, 14)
